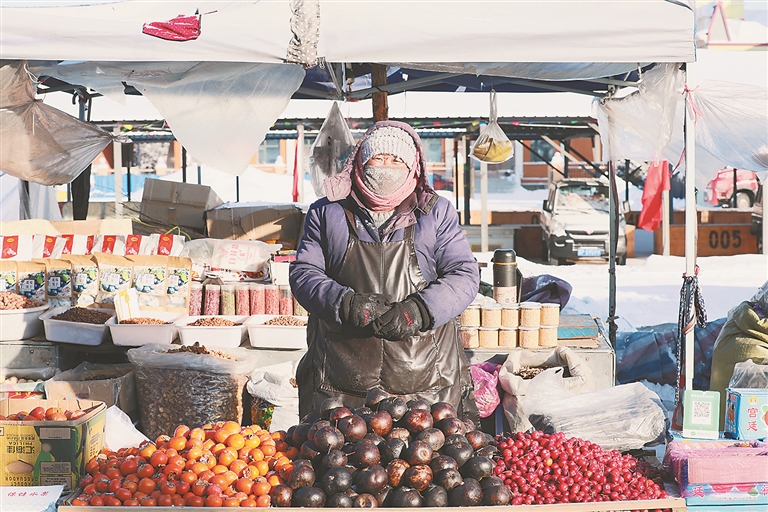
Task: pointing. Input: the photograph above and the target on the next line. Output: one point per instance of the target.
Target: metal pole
(765, 224)
(467, 178)
(613, 230)
(456, 173)
(237, 189)
(183, 164)
(566, 149)
(666, 217)
(117, 159)
(691, 234)
(483, 207)
(128, 169)
(199, 175)
(735, 185)
(626, 180)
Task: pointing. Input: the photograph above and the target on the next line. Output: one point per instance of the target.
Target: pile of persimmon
(221, 465)
(43, 414)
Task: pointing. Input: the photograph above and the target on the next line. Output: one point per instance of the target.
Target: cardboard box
(178, 204)
(746, 413)
(722, 462)
(726, 494)
(67, 227)
(113, 386)
(55, 452)
(271, 223)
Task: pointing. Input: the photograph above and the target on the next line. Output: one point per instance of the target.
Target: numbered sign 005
(725, 239)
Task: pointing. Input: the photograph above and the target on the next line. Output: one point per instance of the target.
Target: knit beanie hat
(389, 140)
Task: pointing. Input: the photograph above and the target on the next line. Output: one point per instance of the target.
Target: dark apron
(339, 363)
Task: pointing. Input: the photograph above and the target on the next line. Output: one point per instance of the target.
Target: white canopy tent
(547, 40)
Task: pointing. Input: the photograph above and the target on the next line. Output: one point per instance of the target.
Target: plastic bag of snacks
(189, 385)
(31, 279)
(179, 278)
(58, 282)
(85, 279)
(492, 145)
(149, 280)
(8, 276)
(114, 276)
(109, 244)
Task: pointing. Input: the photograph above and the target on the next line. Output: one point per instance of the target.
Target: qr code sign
(702, 413)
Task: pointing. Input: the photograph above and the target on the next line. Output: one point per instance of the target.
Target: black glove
(405, 319)
(360, 309)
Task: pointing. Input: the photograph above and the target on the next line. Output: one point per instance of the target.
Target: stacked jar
(550, 319)
(490, 322)
(510, 321)
(470, 323)
(530, 320)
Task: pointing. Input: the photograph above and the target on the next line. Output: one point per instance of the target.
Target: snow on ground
(648, 289)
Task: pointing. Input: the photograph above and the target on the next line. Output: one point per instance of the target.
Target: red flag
(295, 190)
(180, 28)
(656, 182)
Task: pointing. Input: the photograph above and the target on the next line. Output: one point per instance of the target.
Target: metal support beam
(483, 206)
(613, 229)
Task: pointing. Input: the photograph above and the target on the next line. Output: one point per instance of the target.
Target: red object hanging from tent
(180, 28)
(656, 182)
(295, 189)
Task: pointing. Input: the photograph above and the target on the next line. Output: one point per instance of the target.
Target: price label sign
(30, 499)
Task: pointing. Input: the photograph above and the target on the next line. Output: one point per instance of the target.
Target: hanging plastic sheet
(219, 111)
(40, 143)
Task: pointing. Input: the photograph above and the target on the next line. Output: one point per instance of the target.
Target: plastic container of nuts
(212, 331)
(21, 324)
(73, 331)
(277, 332)
(140, 333)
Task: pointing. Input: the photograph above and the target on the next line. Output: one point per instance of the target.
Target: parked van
(575, 222)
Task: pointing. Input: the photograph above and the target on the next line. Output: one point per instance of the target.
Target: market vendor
(384, 269)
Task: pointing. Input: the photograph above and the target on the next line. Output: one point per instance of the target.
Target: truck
(575, 222)
(719, 191)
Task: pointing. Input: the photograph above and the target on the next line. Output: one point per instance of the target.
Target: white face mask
(384, 179)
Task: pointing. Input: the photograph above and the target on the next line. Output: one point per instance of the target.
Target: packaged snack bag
(179, 277)
(114, 276)
(109, 244)
(58, 282)
(149, 280)
(8, 276)
(85, 279)
(31, 279)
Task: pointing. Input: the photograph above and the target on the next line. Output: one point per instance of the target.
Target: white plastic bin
(276, 336)
(136, 335)
(211, 337)
(77, 333)
(21, 324)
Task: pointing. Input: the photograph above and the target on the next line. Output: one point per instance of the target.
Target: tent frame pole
(691, 228)
(613, 230)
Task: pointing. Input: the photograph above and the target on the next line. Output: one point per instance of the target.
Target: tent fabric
(219, 111)
(41, 144)
(42, 200)
(731, 123)
(364, 31)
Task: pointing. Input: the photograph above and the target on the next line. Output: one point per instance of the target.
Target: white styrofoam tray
(21, 324)
(276, 336)
(229, 336)
(136, 335)
(78, 333)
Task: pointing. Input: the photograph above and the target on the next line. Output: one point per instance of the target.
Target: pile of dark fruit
(390, 453)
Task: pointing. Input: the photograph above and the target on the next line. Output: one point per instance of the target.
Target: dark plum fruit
(308, 497)
(497, 495)
(448, 479)
(374, 396)
(435, 496)
(395, 406)
(477, 467)
(434, 437)
(419, 477)
(339, 500)
(461, 452)
(335, 480)
(442, 410)
(468, 494)
(353, 428)
(404, 497)
(281, 495)
(395, 471)
(371, 480)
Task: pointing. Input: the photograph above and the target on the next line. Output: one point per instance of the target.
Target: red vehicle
(719, 191)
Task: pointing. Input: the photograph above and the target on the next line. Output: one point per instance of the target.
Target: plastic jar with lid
(469, 337)
(243, 299)
(470, 317)
(548, 336)
(271, 299)
(508, 337)
(285, 306)
(528, 337)
(212, 299)
(228, 299)
(195, 299)
(490, 316)
(530, 314)
(510, 315)
(550, 314)
(257, 298)
(488, 337)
